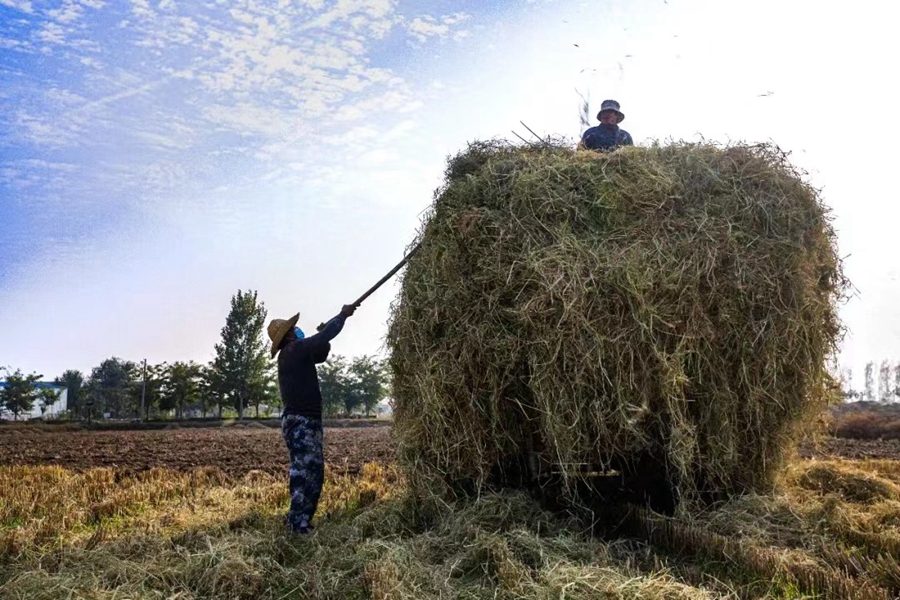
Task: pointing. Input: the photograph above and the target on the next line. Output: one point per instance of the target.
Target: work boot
(298, 529)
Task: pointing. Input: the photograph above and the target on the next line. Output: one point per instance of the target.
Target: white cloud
(22, 5)
(44, 130)
(36, 173)
(64, 98)
(425, 27)
(248, 119)
(141, 9)
(257, 65)
(68, 12)
(48, 165)
(14, 44)
(52, 33)
(162, 141)
(375, 16)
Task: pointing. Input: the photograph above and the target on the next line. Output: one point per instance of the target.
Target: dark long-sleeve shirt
(606, 137)
(298, 380)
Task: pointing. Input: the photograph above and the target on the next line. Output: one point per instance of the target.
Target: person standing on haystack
(607, 135)
(301, 421)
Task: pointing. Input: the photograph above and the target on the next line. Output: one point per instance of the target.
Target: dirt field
(847, 448)
(234, 450)
(239, 450)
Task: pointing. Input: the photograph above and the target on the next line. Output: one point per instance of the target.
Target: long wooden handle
(381, 282)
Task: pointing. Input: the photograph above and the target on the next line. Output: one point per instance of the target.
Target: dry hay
(671, 305)
(228, 541)
(850, 483)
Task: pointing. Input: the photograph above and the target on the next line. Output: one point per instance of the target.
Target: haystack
(669, 308)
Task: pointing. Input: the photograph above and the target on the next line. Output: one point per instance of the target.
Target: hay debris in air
(668, 308)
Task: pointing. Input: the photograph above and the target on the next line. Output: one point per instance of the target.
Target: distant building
(38, 410)
(385, 408)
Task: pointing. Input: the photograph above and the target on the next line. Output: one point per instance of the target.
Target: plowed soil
(234, 450)
(238, 450)
(856, 449)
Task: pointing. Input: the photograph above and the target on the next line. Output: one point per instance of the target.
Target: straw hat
(278, 328)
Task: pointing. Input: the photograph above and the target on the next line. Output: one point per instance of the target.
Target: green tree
(19, 394)
(183, 385)
(215, 387)
(152, 389)
(157, 379)
(47, 396)
(266, 393)
(885, 390)
(896, 383)
(848, 392)
(73, 381)
(869, 390)
(367, 378)
(111, 387)
(242, 367)
(207, 393)
(334, 384)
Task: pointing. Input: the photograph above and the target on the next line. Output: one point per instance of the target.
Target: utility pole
(143, 391)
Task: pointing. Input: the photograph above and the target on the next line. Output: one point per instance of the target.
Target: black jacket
(298, 380)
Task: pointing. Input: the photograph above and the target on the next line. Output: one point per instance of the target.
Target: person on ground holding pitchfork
(301, 421)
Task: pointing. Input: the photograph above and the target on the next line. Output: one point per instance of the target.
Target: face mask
(299, 333)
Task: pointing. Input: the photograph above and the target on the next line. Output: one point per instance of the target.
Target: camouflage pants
(303, 437)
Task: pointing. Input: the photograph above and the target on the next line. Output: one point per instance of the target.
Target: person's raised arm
(333, 327)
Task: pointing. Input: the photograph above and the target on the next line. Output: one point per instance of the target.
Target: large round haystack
(671, 306)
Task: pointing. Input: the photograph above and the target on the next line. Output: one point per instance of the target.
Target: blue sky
(156, 156)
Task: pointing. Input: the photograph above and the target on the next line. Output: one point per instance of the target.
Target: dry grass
(825, 533)
(44, 507)
(676, 303)
(838, 516)
(203, 535)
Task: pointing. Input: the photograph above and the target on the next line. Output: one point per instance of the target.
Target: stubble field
(196, 513)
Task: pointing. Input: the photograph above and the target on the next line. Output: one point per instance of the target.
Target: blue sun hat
(612, 105)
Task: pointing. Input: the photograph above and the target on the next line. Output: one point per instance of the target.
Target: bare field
(233, 450)
(237, 450)
(853, 449)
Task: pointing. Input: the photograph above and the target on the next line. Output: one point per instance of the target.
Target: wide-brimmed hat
(613, 106)
(278, 328)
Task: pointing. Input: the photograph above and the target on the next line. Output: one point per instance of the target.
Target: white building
(39, 410)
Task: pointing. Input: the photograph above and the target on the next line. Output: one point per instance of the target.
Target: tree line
(241, 376)
(881, 383)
